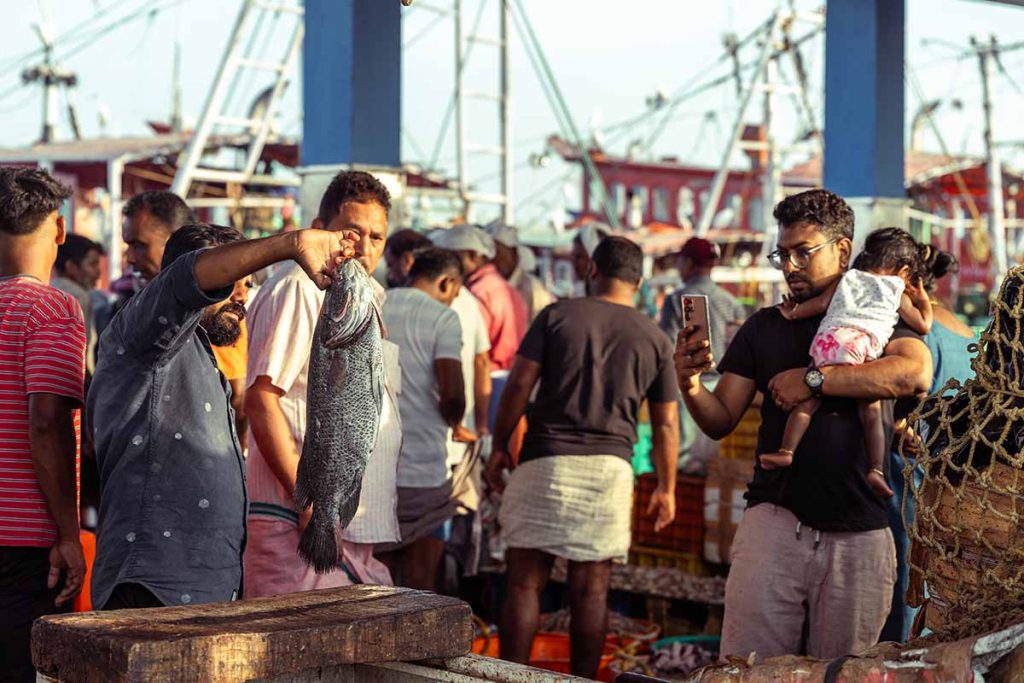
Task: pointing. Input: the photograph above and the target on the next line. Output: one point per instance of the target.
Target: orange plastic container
(83, 603)
(550, 651)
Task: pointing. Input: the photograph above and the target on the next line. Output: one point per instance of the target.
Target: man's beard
(808, 293)
(222, 329)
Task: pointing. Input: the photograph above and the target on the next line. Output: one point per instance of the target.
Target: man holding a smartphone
(813, 560)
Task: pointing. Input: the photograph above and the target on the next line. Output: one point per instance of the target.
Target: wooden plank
(262, 638)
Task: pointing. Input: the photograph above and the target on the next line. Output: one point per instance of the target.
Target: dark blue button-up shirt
(173, 499)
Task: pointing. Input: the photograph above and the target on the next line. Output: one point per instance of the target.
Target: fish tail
(319, 545)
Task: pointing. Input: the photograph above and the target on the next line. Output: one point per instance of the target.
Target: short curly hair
(168, 209)
(352, 186)
(827, 210)
(195, 236)
(27, 197)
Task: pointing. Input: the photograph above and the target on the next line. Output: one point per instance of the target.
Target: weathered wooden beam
(263, 638)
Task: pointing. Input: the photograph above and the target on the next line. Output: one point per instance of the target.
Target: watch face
(814, 378)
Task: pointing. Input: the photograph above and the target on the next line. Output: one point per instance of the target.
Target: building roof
(919, 167)
(100, 149)
(126, 148)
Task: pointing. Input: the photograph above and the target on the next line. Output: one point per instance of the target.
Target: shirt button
(157, 498)
(120, 350)
(167, 397)
(162, 320)
(186, 598)
(208, 407)
(167, 534)
(137, 440)
(203, 503)
(130, 537)
(177, 436)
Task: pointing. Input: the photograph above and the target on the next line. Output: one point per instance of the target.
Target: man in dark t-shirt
(596, 359)
(813, 553)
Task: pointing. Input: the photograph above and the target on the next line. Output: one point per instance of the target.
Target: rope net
(967, 545)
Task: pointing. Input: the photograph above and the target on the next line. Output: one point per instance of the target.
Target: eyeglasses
(798, 258)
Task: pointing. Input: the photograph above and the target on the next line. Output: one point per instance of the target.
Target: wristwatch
(814, 378)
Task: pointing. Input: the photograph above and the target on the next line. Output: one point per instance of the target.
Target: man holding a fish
(172, 523)
(283, 326)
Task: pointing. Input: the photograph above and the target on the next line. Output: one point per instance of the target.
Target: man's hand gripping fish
(343, 404)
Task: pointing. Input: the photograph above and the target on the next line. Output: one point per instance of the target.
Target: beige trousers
(837, 584)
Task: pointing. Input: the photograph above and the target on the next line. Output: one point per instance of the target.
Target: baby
(861, 310)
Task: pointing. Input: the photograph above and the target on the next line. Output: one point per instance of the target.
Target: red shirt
(42, 350)
(504, 311)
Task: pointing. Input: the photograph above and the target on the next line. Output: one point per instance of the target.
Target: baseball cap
(504, 234)
(591, 234)
(465, 237)
(700, 250)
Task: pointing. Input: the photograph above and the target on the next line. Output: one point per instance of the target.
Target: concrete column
(864, 109)
(351, 83)
(115, 176)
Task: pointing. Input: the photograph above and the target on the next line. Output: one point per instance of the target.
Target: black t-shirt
(826, 486)
(599, 361)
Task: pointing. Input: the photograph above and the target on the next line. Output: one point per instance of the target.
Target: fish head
(350, 306)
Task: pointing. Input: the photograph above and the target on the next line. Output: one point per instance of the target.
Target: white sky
(607, 56)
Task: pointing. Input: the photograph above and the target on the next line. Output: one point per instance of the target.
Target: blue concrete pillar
(864, 112)
(351, 83)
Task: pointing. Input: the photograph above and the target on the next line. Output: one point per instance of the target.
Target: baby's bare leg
(874, 437)
(796, 426)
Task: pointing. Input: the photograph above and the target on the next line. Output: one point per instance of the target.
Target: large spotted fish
(343, 404)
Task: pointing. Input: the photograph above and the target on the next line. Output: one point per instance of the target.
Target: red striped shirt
(42, 350)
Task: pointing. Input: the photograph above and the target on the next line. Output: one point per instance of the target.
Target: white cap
(527, 261)
(591, 234)
(505, 234)
(466, 238)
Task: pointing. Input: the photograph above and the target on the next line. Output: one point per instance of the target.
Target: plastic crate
(686, 533)
(741, 444)
(641, 556)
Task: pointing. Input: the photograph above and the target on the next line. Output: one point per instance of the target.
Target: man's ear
(845, 251)
(62, 232)
(591, 270)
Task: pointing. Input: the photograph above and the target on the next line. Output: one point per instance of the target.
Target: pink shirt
(504, 312)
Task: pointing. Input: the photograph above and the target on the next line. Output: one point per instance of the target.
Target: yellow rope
(966, 537)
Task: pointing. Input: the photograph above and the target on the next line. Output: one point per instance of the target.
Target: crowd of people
(187, 400)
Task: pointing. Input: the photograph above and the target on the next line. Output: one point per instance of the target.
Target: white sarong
(572, 506)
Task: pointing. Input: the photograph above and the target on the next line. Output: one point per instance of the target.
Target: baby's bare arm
(816, 305)
(916, 312)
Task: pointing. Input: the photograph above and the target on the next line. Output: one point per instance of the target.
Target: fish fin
(346, 334)
(338, 370)
(303, 497)
(350, 503)
(380, 321)
(319, 545)
(377, 380)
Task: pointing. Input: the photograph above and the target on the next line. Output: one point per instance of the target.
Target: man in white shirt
(282, 320)
(433, 403)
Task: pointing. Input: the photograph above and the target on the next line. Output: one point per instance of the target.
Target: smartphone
(695, 314)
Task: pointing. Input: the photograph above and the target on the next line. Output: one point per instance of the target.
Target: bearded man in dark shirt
(813, 553)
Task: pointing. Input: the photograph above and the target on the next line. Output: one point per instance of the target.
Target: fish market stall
(343, 634)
